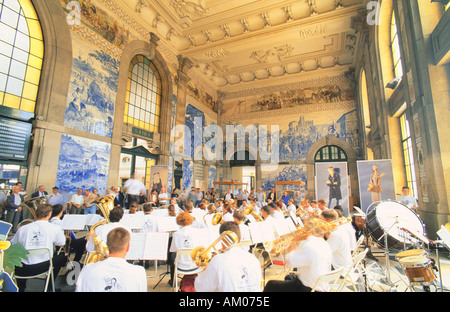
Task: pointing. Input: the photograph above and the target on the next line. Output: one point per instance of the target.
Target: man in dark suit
(40, 192)
(118, 200)
(13, 207)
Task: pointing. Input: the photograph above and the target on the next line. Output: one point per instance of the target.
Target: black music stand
(163, 275)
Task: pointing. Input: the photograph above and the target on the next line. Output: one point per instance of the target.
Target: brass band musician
(113, 274)
(311, 255)
(234, 270)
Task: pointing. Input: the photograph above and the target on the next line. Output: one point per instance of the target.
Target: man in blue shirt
(285, 198)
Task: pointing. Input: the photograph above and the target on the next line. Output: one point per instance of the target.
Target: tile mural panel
(298, 132)
(83, 163)
(92, 90)
(270, 174)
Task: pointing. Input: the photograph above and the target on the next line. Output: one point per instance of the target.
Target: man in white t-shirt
(77, 202)
(102, 231)
(234, 270)
(38, 234)
(311, 257)
(239, 217)
(114, 274)
(133, 188)
(339, 242)
(164, 198)
(407, 199)
(150, 223)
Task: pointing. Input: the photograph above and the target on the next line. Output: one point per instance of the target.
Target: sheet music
(137, 246)
(133, 221)
(261, 232)
(444, 234)
(281, 227)
(148, 246)
(157, 246)
(206, 236)
(93, 219)
(167, 224)
(74, 222)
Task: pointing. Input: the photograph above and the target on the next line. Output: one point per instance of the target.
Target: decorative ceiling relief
(251, 43)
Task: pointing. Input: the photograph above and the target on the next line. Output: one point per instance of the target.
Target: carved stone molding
(190, 8)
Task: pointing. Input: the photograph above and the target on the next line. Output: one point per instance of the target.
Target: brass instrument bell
(201, 256)
(249, 210)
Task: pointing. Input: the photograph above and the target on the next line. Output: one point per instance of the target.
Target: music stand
(162, 275)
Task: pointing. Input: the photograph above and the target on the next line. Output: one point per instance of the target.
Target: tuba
(32, 205)
(105, 204)
(249, 211)
(201, 256)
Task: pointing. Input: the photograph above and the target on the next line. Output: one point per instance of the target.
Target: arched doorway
(332, 149)
(243, 168)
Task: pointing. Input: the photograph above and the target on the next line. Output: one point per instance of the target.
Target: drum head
(411, 253)
(391, 217)
(414, 260)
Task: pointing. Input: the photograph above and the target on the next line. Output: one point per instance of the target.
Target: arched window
(21, 54)
(330, 153)
(143, 100)
(408, 155)
(365, 110)
(395, 49)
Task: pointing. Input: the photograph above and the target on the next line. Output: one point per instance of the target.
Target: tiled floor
(376, 280)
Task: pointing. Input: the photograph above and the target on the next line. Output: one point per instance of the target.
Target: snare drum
(388, 218)
(411, 253)
(418, 269)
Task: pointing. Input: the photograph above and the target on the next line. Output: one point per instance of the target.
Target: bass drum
(390, 217)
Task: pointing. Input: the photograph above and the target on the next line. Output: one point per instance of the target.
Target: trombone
(201, 256)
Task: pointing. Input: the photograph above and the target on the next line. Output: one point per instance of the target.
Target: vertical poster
(376, 182)
(332, 184)
(159, 178)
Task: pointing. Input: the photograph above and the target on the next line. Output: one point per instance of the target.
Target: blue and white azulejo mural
(83, 163)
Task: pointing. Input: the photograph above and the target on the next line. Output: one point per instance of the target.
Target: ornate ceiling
(239, 44)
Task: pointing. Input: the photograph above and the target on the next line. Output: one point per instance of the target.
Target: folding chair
(331, 278)
(355, 270)
(359, 242)
(48, 273)
(183, 252)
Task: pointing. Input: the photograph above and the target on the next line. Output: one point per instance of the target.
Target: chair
(331, 277)
(48, 273)
(182, 252)
(359, 242)
(355, 271)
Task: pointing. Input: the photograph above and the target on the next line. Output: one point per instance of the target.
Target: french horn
(249, 210)
(217, 218)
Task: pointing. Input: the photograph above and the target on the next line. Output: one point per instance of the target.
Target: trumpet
(249, 211)
(201, 256)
